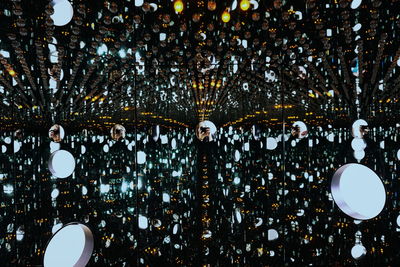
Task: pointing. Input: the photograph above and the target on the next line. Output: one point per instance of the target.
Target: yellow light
(226, 17)
(244, 5)
(178, 6)
(12, 72)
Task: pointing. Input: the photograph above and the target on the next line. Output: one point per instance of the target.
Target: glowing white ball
(72, 245)
(272, 235)
(358, 251)
(143, 222)
(359, 155)
(54, 146)
(398, 154)
(141, 157)
(61, 163)
(271, 143)
(63, 12)
(358, 191)
(237, 155)
(358, 144)
(355, 4)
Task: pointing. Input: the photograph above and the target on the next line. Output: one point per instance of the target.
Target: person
(55, 133)
(118, 132)
(205, 134)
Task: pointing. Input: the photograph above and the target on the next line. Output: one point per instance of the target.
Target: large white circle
(63, 12)
(271, 143)
(72, 245)
(358, 251)
(358, 191)
(61, 163)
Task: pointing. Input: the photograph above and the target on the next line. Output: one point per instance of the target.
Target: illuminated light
(358, 144)
(226, 17)
(8, 189)
(141, 157)
(178, 6)
(20, 234)
(12, 72)
(54, 146)
(104, 188)
(61, 163)
(122, 53)
(166, 198)
(398, 154)
(211, 5)
(143, 222)
(244, 5)
(106, 148)
(17, 146)
(55, 193)
(355, 4)
(271, 143)
(237, 155)
(358, 251)
(63, 12)
(272, 235)
(72, 245)
(359, 155)
(358, 191)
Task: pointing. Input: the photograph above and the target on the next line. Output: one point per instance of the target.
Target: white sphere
(63, 12)
(61, 163)
(358, 251)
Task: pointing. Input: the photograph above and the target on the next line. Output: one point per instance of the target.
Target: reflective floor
(245, 199)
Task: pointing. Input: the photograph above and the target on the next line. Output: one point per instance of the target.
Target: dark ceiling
(120, 59)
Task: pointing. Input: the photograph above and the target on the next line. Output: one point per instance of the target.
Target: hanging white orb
(63, 12)
(61, 163)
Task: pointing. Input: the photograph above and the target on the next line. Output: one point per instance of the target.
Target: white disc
(358, 251)
(271, 143)
(63, 12)
(358, 191)
(72, 245)
(61, 163)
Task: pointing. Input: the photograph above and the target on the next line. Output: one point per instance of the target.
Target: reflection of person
(54, 133)
(18, 134)
(360, 128)
(118, 132)
(297, 133)
(206, 131)
(205, 134)
(364, 130)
